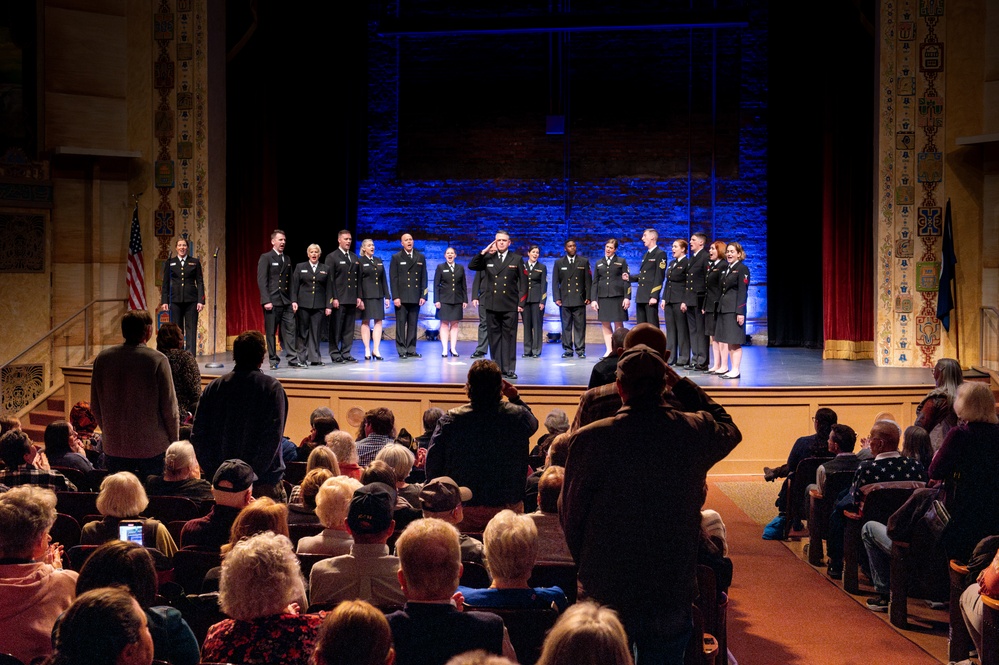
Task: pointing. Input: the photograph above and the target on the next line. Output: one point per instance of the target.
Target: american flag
(135, 276)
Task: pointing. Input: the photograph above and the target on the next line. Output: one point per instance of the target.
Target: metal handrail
(85, 310)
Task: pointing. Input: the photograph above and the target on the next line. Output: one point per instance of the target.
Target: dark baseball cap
(234, 475)
(442, 495)
(371, 509)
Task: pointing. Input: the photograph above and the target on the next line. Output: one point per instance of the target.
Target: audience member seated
(25, 464)
(181, 475)
(260, 516)
(81, 417)
(431, 628)
(713, 527)
(552, 547)
(378, 428)
(318, 412)
(34, 589)
(260, 591)
(556, 422)
(430, 418)
(305, 512)
(7, 423)
(586, 634)
(401, 460)
(888, 464)
(968, 466)
(122, 497)
(935, 413)
(321, 457)
(355, 633)
(125, 564)
(321, 427)
(479, 657)
(63, 447)
(605, 371)
(332, 505)
(842, 441)
(556, 455)
(380, 472)
(983, 568)
(103, 627)
(916, 443)
(343, 446)
(441, 499)
(511, 543)
(813, 445)
(183, 367)
(232, 489)
(369, 572)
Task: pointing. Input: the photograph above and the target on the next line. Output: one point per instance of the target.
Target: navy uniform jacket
(345, 273)
(608, 279)
(676, 280)
(449, 285)
(187, 285)
(697, 269)
(537, 282)
(372, 273)
(712, 284)
(734, 289)
(274, 278)
(504, 285)
(650, 276)
(312, 290)
(408, 277)
(572, 284)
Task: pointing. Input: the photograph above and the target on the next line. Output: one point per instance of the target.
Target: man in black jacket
(274, 282)
(408, 279)
(571, 283)
(504, 291)
(650, 279)
(344, 267)
(693, 302)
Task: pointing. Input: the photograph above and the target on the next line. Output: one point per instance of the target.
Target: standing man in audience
(242, 416)
(504, 291)
(183, 293)
(571, 292)
(344, 267)
(650, 279)
(408, 278)
(693, 302)
(483, 446)
(133, 400)
(311, 293)
(274, 283)
(653, 524)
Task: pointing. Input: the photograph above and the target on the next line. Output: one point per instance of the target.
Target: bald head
(649, 335)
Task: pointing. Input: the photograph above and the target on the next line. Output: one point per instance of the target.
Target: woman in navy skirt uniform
(609, 292)
(730, 330)
(677, 337)
(374, 299)
(712, 294)
(450, 299)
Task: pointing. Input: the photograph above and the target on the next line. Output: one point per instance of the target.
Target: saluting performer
(504, 289)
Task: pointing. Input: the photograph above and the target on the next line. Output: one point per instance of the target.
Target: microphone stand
(214, 364)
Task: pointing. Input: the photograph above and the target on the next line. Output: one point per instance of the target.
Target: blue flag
(945, 295)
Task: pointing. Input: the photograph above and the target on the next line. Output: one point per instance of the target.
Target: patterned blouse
(289, 639)
(186, 379)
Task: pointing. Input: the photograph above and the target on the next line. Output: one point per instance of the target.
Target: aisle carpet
(783, 611)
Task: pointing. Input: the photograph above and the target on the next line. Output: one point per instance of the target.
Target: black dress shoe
(535, 355)
(510, 375)
(415, 355)
(582, 355)
(701, 368)
(403, 356)
(567, 354)
(349, 359)
(526, 355)
(295, 363)
(274, 365)
(690, 366)
(336, 361)
(318, 363)
(478, 355)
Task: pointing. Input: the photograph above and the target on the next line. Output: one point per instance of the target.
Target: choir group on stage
(702, 297)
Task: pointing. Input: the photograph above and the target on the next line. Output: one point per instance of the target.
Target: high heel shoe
(444, 355)
(366, 357)
(455, 353)
(377, 357)
(729, 375)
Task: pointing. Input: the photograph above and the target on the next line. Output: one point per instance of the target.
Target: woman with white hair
(122, 497)
(181, 475)
(401, 459)
(332, 506)
(343, 446)
(511, 546)
(261, 579)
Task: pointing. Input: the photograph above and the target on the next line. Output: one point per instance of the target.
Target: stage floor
(762, 367)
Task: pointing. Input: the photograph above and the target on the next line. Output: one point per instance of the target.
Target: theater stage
(772, 403)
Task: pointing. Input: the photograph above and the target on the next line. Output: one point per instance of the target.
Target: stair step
(45, 417)
(35, 432)
(56, 404)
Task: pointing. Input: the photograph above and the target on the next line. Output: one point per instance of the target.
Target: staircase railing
(988, 339)
(37, 369)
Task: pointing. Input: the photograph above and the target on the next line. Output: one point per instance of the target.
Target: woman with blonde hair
(305, 512)
(935, 413)
(122, 497)
(374, 296)
(321, 457)
(586, 634)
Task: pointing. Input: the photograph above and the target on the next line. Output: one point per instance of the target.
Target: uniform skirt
(374, 308)
(710, 322)
(449, 312)
(611, 309)
(728, 331)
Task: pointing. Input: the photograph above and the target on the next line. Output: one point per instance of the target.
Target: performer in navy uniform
(731, 328)
(677, 340)
(374, 299)
(650, 280)
(693, 302)
(450, 299)
(408, 278)
(712, 295)
(610, 291)
(274, 283)
(571, 285)
(534, 305)
(483, 330)
(503, 294)
(344, 266)
(311, 292)
(183, 293)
